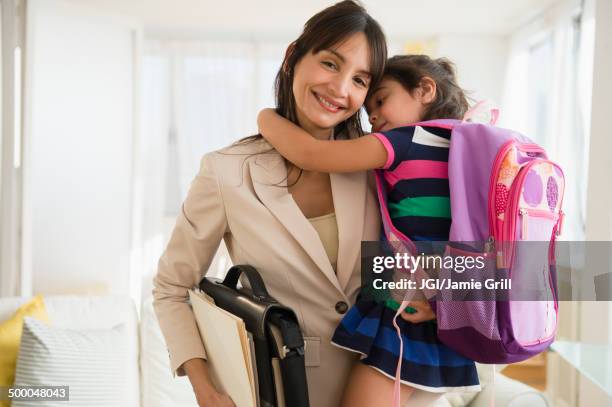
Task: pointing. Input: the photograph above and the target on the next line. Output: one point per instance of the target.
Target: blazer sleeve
(197, 234)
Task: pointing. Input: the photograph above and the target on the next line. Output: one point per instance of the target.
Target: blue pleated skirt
(427, 364)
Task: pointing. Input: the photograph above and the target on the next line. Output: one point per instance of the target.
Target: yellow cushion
(10, 338)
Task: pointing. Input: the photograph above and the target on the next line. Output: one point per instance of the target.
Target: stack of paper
(229, 350)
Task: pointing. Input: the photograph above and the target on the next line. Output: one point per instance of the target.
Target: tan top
(327, 229)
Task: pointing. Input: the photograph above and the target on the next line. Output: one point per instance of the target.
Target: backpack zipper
(525, 213)
(499, 158)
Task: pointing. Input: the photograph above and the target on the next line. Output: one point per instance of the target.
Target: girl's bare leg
(368, 387)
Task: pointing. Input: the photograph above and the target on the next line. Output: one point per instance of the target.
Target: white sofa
(150, 382)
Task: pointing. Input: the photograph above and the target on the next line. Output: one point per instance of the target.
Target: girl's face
(331, 85)
(391, 106)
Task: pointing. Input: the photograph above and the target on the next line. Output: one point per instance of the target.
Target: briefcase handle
(257, 284)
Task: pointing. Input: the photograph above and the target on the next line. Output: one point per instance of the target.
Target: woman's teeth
(326, 103)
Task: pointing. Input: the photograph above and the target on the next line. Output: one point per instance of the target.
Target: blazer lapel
(349, 192)
(268, 172)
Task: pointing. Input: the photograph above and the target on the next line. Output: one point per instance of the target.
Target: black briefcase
(278, 341)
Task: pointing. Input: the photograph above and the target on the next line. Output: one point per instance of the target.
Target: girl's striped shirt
(416, 173)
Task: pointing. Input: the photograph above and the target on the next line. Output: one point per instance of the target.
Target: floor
(532, 371)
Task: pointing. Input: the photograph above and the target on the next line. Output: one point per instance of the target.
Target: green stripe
(431, 206)
(394, 305)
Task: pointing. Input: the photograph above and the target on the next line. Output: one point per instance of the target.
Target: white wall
(480, 61)
(599, 194)
(599, 198)
(10, 174)
(79, 132)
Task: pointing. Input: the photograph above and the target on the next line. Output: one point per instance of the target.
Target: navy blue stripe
(430, 244)
(423, 226)
(412, 188)
(401, 141)
(357, 332)
(431, 376)
(420, 352)
(431, 238)
(372, 313)
(424, 152)
(428, 354)
(407, 131)
(439, 131)
(404, 149)
(355, 342)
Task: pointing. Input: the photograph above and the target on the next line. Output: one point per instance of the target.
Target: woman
(300, 229)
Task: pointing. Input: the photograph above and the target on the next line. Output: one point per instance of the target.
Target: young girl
(415, 88)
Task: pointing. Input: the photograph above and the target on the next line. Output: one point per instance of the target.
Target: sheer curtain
(543, 99)
(215, 90)
(198, 96)
(547, 96)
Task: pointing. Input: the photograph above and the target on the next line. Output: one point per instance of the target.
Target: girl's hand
(423, 312)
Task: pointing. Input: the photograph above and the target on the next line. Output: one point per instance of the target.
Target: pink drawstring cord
(398, 371)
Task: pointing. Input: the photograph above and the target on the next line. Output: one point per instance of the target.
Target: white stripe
(423, 137)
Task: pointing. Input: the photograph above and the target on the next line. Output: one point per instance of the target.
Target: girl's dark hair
(451, 101)
(322, 31)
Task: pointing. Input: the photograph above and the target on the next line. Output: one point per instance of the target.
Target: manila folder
(226, 342)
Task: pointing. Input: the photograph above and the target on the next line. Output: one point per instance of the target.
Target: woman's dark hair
(451, 101)
(322, 31)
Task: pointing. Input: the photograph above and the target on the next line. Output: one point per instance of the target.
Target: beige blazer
(233, 197)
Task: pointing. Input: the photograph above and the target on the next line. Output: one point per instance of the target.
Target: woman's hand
(423, 312)
(205, 392)
(213, 399)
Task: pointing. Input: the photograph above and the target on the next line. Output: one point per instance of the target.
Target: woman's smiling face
(331, 85)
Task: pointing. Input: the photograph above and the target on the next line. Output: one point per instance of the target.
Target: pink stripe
(388, 147)
(417, 169)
